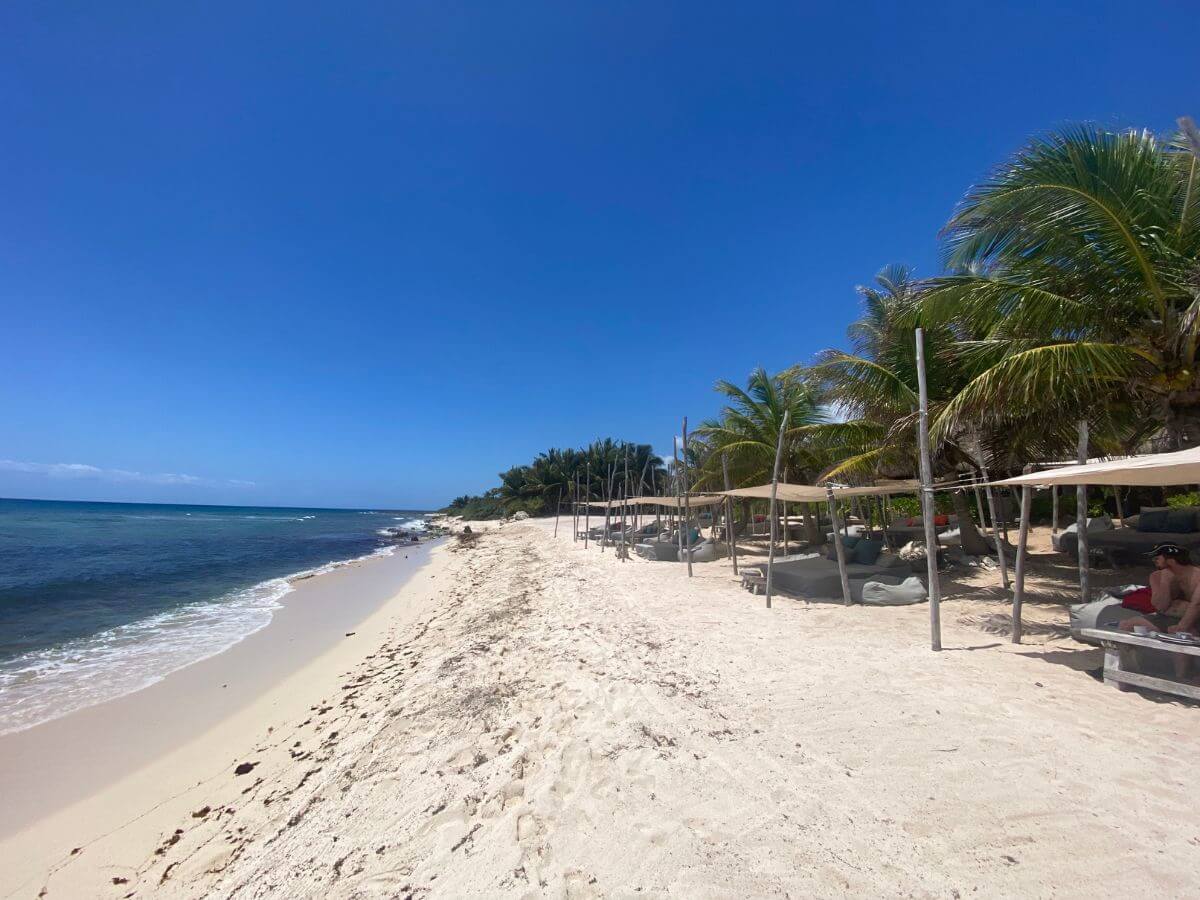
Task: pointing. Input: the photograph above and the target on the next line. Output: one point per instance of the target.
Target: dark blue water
(119, 594)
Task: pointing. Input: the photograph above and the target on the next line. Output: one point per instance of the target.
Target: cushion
(1139, 600)
(1181, 521)
(1154, 520)
(867, 551)
(941, 520)
(849, 541)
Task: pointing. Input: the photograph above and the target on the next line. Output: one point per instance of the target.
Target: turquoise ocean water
(101, 599)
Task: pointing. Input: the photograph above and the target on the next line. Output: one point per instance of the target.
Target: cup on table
(1142, 630)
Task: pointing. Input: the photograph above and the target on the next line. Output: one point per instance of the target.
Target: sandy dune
(555, 722)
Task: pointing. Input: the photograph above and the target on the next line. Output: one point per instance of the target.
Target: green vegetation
(1071, 292)
(535, 488)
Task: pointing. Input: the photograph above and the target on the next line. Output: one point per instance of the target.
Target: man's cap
(1169, 550)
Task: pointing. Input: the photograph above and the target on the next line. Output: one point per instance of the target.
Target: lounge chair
(1139, 535)
(818, 577)
(900, 533)
(706, 551)
(1067, 542)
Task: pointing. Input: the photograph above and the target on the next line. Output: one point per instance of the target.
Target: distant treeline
(605, 468)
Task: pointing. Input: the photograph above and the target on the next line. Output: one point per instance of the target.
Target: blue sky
(370, 254)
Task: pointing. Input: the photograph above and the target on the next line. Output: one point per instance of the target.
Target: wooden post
(931, 544)
(557, 510)
(996, 538)
(608, 491)
(771, 517)
(1120, 505)
(881, 504)
(687, 511)
(730, 527)
(624, 507)
(1054, 509)
(978, 506)
(839, 545)
(1081, 516)
(678, 501)
(1019, 575)
(786, 529)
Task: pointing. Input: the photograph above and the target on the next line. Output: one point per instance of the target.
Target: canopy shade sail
(1148, 470)
(809, 493)
(692, 499)
(791, 493)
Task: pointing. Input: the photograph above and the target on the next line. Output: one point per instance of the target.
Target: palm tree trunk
(973, 543)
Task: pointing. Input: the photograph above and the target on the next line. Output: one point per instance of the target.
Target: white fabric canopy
(809, 493)
(1149, 470)
(693, 500)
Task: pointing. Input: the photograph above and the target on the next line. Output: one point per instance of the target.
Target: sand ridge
(559, 723)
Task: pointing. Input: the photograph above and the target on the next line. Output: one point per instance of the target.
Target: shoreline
(154, 741)
(527, 718)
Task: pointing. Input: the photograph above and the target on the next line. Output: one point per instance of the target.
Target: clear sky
(370, 254)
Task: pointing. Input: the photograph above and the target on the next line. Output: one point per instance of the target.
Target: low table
(1119, 657)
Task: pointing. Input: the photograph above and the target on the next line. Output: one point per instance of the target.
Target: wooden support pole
(678, 500)
(624, 507)
(771, 517)
(587, 508)
(839, 546)
(978, 507)
(786, 524)
(1120, 505)
(557, 510)
(931, 543)
(1019, 575)
(730, 527)
(1054, 509)
(881, 504)
(991, 499)
(687, 511)
(1081, 517)
(608, 491)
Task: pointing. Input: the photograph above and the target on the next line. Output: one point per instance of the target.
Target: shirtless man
(1174, 592)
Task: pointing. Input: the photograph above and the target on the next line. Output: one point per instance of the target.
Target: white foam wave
(46, 684)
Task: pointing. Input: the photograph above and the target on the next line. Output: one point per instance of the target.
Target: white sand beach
(526, 718)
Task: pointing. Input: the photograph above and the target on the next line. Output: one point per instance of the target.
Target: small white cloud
(83, 470)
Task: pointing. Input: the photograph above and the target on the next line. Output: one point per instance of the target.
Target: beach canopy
(692, 499)
(1148, 470)
(810, 493)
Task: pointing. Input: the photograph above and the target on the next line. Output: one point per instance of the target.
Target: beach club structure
(812, 576)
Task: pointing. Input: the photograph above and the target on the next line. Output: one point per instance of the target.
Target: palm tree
(874, 388)
(1075, 267)
(747, 432)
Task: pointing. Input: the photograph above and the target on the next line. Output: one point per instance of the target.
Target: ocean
(98, 600)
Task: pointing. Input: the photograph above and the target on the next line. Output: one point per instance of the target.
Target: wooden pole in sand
(575, 508)
(1019, 575)
(931, 542)
(991, 499)
(730, 527)
(1081, 516)
(774, 492)
(587, 508)
(557, 510)
(786, 549)
(839, 545)
(624, 506)
(978, 506)
(678, 498)
(881, 504)
(1054, 509)
(687, 511)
